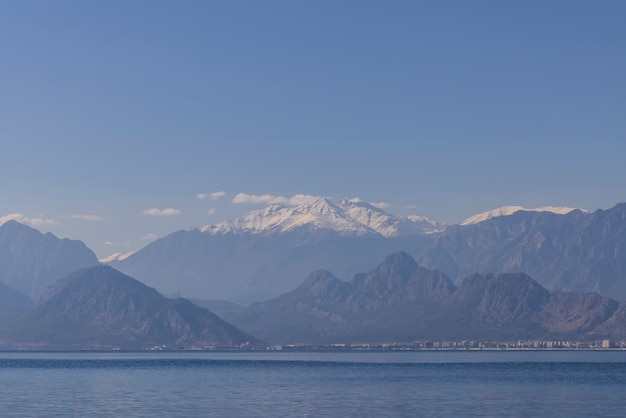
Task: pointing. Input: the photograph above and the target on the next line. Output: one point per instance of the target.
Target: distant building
(606, 343)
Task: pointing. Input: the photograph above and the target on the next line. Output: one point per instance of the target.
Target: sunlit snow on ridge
(509, 210)
(350, 217)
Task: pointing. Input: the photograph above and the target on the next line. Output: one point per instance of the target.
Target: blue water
(435, 383)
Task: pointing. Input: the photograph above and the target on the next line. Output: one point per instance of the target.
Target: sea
(313, 384)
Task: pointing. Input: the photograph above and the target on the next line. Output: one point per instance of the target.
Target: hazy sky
(116, 115)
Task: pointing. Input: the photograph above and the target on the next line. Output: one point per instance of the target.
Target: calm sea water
(240, 384)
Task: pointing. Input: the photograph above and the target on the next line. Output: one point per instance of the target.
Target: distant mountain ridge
(578, 251)
(510, 210)
(399, 301)
(31, 261)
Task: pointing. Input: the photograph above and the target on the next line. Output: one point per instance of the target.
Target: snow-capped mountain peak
(348, 217)
(509, 210)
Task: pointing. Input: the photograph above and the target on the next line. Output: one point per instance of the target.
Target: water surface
(421, 383)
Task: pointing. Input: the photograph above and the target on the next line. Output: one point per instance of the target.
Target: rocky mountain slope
(577, 251)
(99, 307)
(31, 261)
(401, 301)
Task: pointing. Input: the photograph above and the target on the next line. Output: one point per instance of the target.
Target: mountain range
(577, 251)
(263, 254)
(398, 301)
(468, 284)
(401, 301)
(347, 217)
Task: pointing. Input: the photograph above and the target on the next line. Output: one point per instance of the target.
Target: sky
(123, 121)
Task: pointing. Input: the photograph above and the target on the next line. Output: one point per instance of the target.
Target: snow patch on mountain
(510, 210)
(348, 217)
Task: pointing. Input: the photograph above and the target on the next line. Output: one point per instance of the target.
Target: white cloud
(267, 199)
(380, 205)
(212, 196)
(11, 217)
(301, 199)
(88, 218)
(119, 256)
(256, 199)
(34, 222)
(211, 211)
(117, 244)
(150, 236)
(161, 212)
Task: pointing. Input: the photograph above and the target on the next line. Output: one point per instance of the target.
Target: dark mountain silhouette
(99, 307)
(401, 301)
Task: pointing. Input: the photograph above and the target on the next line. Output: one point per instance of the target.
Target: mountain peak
(397, 264)
(400, 258)
(347, 217)
(108, 308)
(13, 226)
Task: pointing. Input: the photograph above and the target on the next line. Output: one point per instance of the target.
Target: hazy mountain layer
(31, 261)
(11, 299)
(252, 267)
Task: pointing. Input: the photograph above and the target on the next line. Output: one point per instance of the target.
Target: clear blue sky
(444, 108)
